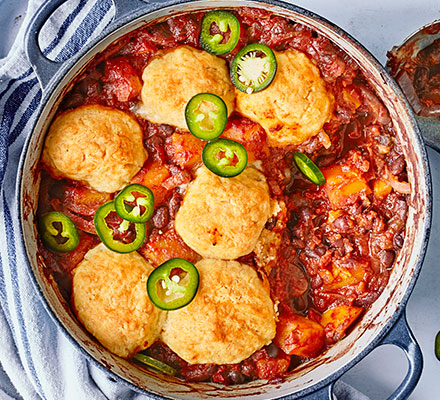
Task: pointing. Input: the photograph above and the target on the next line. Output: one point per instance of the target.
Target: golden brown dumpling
(296, 104)
(231, 317)
(223, 217)
(111, 301)
(172, 78)
(99, 146)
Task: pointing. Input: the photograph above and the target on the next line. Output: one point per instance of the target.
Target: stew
(333, 199)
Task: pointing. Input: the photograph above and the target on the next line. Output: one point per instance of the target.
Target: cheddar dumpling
(172, 78)
(231, 317)
(223, 217)
(111, 301)
(296, 104)
(96, 145)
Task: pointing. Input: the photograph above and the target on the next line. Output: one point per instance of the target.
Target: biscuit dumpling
(99, 146)
(172, 78)
(295, 106)
(111, 301)
(231, 317)
(223, 217)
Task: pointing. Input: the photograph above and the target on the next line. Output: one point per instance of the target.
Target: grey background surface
(378, 25)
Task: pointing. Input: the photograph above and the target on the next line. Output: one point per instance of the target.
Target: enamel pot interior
(376, 321)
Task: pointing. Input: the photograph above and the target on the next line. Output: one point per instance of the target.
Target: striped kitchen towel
(37, 361)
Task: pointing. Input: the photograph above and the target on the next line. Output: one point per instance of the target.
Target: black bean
(155, 141)
(316, 282)
(94, 89)
(300, 304)
(89, 86)
(271, 223)
(397, 165)
(387, 258)
(174, 204)
(398, 241)
(161, 217)
(235, 377)
(272, 350)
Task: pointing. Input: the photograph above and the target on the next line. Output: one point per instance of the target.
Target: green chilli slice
(309, 168)
(155, 364)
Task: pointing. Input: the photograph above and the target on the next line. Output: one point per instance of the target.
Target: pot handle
(401, 336)
(44, 68)
(430, 128)
(324, 393)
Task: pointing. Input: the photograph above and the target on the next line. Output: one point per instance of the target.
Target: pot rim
(137, 15)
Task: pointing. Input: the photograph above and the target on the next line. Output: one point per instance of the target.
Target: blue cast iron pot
(383, 323)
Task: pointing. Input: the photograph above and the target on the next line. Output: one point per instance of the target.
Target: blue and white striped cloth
(37, 361)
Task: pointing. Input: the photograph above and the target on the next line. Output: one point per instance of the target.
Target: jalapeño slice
(135, 203)
(437, 346)
(225, 157)
(220, 32)
(156, 364)
(58, 232)
(309, 168)
(173, 284)
(253, 68)
(206, 116)
(107, 233)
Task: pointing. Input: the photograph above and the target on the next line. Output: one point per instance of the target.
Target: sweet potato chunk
(83, 200)
(336, 320)
(162, 247)
(298, 335)
(184, 149)
(381, 188)
(340, 275)
(344, 185)
(351, 96)
(152, 176)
